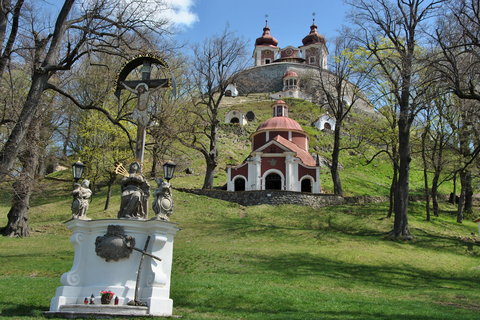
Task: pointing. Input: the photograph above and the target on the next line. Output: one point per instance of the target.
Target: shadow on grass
(21, 311)
(388, 276)
(306, 286)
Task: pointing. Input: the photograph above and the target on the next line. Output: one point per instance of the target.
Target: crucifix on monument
(142, 89)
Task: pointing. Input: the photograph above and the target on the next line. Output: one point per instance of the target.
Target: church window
(268, 61)
(279, 111)
(312, 60)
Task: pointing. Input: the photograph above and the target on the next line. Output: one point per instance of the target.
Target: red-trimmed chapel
(279, 159)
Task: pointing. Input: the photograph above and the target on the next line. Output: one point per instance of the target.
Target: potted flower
(106, 296)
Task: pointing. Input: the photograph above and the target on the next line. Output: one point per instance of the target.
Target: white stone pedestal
(91, 273)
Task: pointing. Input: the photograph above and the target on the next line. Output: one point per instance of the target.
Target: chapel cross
(141, 88)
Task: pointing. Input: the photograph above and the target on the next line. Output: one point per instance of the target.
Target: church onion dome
(280, 123)
(266, 39)
(290, 74)
(313, 37)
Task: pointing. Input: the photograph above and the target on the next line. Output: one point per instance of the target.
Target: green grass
(270, 262)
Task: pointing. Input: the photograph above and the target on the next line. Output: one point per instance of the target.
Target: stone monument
(107, 259)
(81, 197)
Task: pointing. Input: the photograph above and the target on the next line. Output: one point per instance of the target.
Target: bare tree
(398, 21)
(458, 62)
(341, 90)
(7, 42)
(104, 26)
(215, 63)
(458, 38)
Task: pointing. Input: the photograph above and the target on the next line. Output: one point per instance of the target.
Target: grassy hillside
(358, 178)
(263, 262)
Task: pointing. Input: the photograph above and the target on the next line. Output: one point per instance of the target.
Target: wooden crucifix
(142, 89)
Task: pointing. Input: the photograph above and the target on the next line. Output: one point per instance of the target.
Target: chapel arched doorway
(306, 185)
(273, 181)
(239, 184)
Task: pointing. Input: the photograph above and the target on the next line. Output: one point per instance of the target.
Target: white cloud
(180, 12)
(177, 12)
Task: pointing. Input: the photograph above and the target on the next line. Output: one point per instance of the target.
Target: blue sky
(289, 20)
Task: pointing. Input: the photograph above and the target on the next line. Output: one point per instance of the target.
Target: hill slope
(263, 262)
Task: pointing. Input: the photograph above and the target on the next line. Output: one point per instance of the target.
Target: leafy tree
(400, 22)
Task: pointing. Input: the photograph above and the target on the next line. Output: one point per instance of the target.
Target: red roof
(283, 123)
(306, 157)
(279, 102)
(313, 36)
(290, 74)
(266, 39)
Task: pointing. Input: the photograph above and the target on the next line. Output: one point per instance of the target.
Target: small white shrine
(236, 117)
(105, 260)
(325, 122)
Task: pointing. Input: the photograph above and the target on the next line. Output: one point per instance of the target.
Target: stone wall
(277, 197)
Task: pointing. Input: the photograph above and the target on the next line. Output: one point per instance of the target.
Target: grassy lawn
(264, 262)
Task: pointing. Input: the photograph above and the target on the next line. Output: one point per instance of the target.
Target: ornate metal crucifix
(142, 89)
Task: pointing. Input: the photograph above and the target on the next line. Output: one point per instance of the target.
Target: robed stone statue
(135, 192)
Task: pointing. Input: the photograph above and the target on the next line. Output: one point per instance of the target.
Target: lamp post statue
(81, 192)
(163, 201)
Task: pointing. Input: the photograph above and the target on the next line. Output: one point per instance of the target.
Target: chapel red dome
(280, 123)
(266, 39)
(313, 37)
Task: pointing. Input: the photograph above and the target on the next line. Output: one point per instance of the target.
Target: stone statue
(135, 192)
(142, 91)
(163, 201)
(81, 196)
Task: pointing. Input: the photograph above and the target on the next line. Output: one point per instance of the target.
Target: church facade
(291, 72)
(279, 159)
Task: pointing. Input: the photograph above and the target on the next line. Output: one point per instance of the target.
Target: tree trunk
(39, 82)
(17, 225)
(212, 157)
(426, 190)
(400, 225)
(68, 137)
(463, 195)
(153, 170)
(109, 190)
(15, 140)
(7, 48)
(337, 185)
(393, 186)
(436, 209)
(468, 193)
(209, 174)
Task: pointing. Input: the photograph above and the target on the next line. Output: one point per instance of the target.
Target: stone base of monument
(105, 261)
